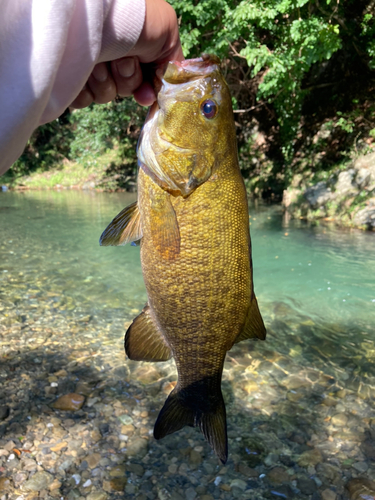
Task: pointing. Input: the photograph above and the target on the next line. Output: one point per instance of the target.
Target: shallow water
(316, 290)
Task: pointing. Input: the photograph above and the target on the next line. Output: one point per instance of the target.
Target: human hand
(158, 43)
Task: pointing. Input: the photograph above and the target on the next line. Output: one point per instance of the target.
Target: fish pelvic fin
(125, 228)
(144, 341)
(187, 407)
(254, 326)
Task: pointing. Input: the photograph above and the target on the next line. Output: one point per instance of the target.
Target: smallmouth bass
(192, 221)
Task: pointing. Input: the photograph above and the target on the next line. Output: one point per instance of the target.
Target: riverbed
(300, 406)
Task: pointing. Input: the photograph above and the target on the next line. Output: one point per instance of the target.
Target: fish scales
(191, 218)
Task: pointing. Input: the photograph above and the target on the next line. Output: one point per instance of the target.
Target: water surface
(65, 302)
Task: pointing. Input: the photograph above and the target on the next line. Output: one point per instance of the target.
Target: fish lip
(190, 69)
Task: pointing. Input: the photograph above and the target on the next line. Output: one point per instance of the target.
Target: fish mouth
(191, 69)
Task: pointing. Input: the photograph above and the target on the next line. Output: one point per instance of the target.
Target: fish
(191, 219)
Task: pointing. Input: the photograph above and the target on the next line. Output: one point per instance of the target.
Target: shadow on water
(293, 428)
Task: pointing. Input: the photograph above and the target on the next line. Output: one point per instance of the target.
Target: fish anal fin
(254, 326)
(165, 233)
(144, 341)
(125, 228)
(203, 409)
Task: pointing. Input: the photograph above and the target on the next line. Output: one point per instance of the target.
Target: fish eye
(209, 108)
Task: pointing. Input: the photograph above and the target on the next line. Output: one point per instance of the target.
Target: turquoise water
(315, 283)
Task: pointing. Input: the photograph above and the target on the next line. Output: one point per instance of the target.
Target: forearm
(47, 52)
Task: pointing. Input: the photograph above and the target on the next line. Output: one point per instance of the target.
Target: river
(306, 394)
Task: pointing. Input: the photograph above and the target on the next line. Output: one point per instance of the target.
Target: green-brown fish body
(192, 219)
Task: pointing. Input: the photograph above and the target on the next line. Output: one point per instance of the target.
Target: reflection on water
(315, 287)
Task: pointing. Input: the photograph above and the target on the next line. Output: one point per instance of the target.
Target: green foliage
(103, 127)
(280, 40)
(49, 144)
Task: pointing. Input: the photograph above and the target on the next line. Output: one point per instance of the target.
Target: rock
(190, 494)
(4, 412)
(344, 184)
(278, 475)
(125, 419)
(318, 195)
(339, 420)
(366, 216)
(59, 446)
(271, 459)
(97, 495)
(69, 402)
(39, 481)
(136, 469)
(368, 448)
(310, 457)
(306, 485)
(93, 460)
(147, 374)
(137, 447)
(5, 484)
(195, 458)
(361, 488)
(118, 471)
(360, 466)
(238, 483)
(251, 452)
(328, 495)
(118, 483)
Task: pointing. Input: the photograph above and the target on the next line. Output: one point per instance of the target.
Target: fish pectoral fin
(254, 326)
(165, 233)
(144, 341)
(125, 227)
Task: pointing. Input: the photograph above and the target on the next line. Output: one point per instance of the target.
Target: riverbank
(106, 172)
(344, 195)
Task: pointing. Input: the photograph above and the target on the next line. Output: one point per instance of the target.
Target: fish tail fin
(182, 407)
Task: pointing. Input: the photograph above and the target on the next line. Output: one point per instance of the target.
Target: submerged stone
(39, 481)
(69, 402)
(361, 488)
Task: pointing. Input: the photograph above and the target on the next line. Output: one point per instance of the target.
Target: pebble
(5, 484)
(137, 447)
(361, 489)
(93, 460)
(39, 481)
(69, 402)
(339, 420)
(310, 457)
(4, 412)
(238, 483)
(328, 495)
(287, 420)
(97, 495)
(360, 466)
(278, 475)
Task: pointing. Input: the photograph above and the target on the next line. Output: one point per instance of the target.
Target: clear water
(315, 283)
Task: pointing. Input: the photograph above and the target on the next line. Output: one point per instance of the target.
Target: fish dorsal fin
(254, 326)
(124, 228)
(164, 229)
(144, 341)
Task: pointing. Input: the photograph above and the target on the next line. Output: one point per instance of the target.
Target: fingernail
(100, 73)
(126, 67)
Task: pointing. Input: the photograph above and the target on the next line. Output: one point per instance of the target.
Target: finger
(102, 84)
(83, 99)
(145, 94)
(127, 75)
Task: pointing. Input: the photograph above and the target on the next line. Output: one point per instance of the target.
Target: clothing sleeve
(47, 52)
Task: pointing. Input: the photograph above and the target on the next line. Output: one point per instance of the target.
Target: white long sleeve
(48, 49)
